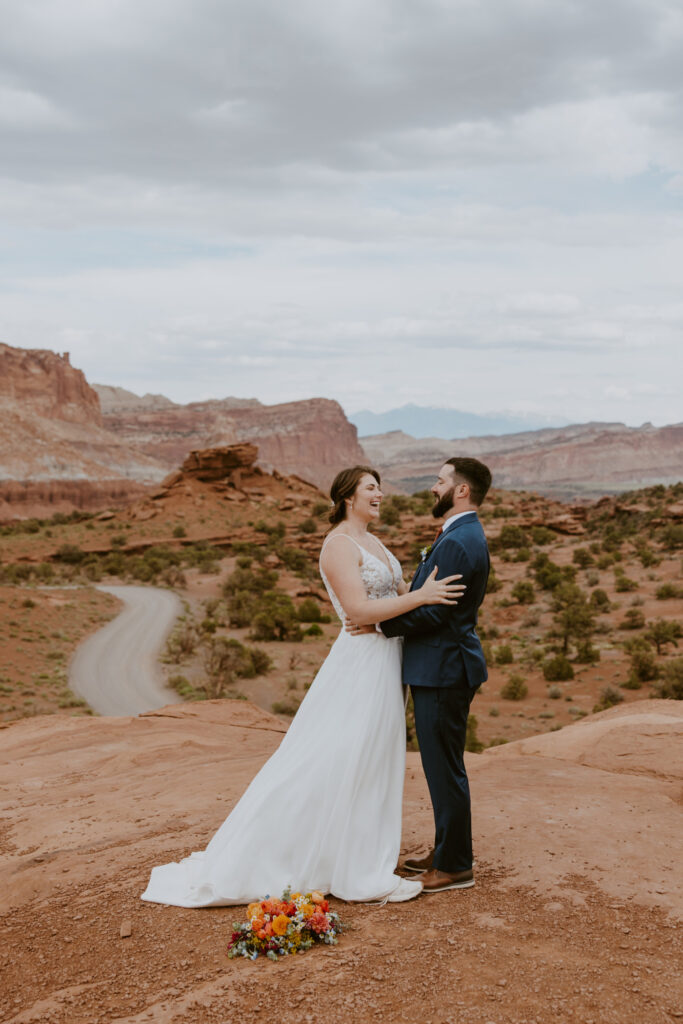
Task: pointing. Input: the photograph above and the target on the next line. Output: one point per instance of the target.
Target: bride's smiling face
(366, 499)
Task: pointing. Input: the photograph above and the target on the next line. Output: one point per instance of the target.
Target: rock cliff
(48, 385)
(582, 461)
(311, 438)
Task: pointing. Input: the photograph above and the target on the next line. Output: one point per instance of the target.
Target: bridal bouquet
(288, 925)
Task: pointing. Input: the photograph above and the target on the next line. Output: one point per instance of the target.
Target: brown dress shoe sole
(450, 885)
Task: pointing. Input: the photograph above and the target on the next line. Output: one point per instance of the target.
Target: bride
(324, 812)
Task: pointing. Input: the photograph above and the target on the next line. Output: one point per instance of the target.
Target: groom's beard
(444, 504)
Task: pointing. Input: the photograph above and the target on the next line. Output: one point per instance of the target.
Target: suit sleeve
(429, 618)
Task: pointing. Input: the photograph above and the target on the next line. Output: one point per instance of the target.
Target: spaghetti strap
(331, 536)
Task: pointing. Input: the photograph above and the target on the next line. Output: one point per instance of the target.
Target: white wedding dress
(324, 812)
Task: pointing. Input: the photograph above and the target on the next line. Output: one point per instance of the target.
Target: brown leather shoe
(419, 864)
(438, 881)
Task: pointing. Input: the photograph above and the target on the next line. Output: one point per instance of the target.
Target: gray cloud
(278, 200)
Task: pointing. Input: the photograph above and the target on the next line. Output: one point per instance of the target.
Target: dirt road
(116, 669)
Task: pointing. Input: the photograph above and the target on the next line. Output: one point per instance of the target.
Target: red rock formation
(583, 461)
(48, 385)
(312, 439)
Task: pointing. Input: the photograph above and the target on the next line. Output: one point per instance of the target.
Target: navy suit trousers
(441, 726)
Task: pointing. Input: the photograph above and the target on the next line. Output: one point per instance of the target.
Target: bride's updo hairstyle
(344, 487)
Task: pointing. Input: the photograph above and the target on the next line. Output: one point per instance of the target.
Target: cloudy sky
(447, 202)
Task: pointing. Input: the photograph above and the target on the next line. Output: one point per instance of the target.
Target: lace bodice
(378, 579)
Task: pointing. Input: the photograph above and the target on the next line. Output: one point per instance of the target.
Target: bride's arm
(341, 566)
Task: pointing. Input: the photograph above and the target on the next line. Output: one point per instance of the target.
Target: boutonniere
(426, 552)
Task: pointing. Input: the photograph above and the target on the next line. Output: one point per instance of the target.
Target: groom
(444, 665)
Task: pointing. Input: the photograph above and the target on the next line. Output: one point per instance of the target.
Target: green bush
(599, 600)
(554, 692)
(514, 689)
(504, 655)
(667, 591)
(558, 669)
(542, 535)
(70, 554)
(663, 632)
(583, 558)
(609, 697)
(549, 575)
(671, 684)
(276, 618)
(623, 584)
(633, 619)
(179, 531)
(472, 744)
(586, 654)
(523, 592)
(308, 526)
(313, 630)
(309, 610)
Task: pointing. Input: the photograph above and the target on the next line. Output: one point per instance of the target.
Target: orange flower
(307, 910)
(280, 924)
(268, 929)
(257, 924)
(252, 908)
(317, 897)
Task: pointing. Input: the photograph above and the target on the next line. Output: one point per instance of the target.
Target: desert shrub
(663, 632)
(609, 697)
(276, 618)
(313, 630)
(633, 619)
(592, 578)
(308, 526)
(583, 558)
(667, 591)
(309, 610)
(548, 574)
(514, 689)
(586, 653)
(390, 513)
(522, 555)
(599, 600)
(503, 655)
(295, 559)
(202, 556)
(671, 684)
(321, 508)
(511, 536)
(574, 618)
(179, 531)
(272, 530)
(183, 686)
(183, 640)
(542, 535)
(523, 592)
(604, 561)
(70, 554)
(493, 583)
(245, 579)
(558, 669)
(648, 559)
(622, 583)
(671, 537)
(289, 706)
(554, 692)
(472, 743)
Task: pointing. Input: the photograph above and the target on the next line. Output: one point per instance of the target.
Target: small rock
(126, 930)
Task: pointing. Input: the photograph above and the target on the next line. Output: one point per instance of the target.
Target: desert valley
(574, 740)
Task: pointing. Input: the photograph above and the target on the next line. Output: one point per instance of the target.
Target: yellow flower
(252, 909)
(307, 910)
(280, 924)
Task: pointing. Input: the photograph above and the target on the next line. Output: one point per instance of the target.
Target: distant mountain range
(426, 421)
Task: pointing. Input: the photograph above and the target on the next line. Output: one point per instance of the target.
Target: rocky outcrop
(576, 835)
(583, 461)
(40, 499)
(47, 385)
(218, 463)
(312, 439)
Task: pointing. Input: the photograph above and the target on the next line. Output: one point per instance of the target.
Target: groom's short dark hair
(475, 474)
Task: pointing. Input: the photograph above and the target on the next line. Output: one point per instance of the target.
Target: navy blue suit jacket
(441, 647)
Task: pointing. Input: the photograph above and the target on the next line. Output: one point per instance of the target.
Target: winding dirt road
(115, 670)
